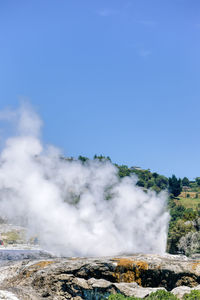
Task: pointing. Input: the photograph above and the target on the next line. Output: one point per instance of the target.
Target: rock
(132, 289)
(7, 295)
(96, 278)
(180, 291)
(99, 283)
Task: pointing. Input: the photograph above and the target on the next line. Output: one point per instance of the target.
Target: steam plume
(75, 209)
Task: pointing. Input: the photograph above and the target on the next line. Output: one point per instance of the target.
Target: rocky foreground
(96, 278)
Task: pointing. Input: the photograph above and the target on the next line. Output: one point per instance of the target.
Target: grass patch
(189, 202)
(12, 237)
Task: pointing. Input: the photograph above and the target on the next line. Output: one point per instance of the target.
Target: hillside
(183, 203)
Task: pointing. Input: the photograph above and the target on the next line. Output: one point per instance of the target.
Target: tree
(190, 214)
(161, 182)
(190, 243)
(155, 188)
(177, 212)
(141, 183)
(176, 231)
(102, 158)
(185, 181)
(155, 175)
(83, 159)
(123, 171)
(150, 183)
(175, 185)
(197, 179)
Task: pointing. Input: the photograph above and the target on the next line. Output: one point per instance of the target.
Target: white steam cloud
(75, 209)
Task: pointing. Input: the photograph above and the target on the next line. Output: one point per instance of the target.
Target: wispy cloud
(149, 23)
(144, 52)
(107, 12)
(7, 115)
(141, 50)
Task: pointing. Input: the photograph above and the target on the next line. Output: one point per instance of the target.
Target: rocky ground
(96, 278)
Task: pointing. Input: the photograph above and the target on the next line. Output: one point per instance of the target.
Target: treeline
(146, 178)
(151, 180)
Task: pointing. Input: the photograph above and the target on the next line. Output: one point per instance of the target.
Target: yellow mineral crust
(128, 270)
(36, 267)
(196, 266)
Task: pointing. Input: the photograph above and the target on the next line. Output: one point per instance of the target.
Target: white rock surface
(5, 295)
(180, 291)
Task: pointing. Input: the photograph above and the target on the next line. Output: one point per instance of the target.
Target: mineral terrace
(96, 278)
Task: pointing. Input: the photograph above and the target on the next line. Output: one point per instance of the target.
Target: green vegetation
(183, 224)
(12, 237)
(175, 186)
(83, 159)
(190, 243)
(146, 178)
(176, 231)
(185, 181)
(197, 181)
(193, 295)
(102, 158)
(188, 202)
(159, 295)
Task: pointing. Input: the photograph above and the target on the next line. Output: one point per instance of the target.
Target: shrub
(176, 231)
(190, 243)
(193, 295)
(161, 295)
(158, 295)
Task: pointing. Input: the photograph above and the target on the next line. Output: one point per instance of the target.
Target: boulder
(180, 291)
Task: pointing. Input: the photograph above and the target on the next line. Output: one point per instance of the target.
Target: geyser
(75, 209)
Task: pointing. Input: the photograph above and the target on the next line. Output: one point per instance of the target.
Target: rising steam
(75, 209)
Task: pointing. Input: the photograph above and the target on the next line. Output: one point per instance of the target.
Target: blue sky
(113, 77)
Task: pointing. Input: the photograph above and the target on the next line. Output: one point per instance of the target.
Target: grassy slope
(189, 202)
(192, 201)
